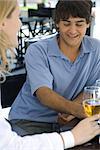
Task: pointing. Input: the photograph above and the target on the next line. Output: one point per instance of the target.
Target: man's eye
(66, 24)
(79, 24)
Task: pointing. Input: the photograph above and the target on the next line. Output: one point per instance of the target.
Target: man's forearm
(79, 98)
(54, 101)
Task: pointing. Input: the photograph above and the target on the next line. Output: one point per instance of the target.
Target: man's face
(72, 31)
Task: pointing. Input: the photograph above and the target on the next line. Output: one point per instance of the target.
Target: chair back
(10, 88)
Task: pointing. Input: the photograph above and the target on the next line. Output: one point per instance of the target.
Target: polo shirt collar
(53, 48)
(86, 45)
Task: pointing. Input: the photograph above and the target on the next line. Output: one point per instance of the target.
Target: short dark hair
(73, 8)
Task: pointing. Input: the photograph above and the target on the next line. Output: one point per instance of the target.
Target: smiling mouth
(73, 37)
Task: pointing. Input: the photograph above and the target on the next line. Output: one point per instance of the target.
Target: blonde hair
(6, 9)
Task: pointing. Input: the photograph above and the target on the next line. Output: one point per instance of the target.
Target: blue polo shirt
(47, 66)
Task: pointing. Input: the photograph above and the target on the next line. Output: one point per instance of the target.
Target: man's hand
(64, 118)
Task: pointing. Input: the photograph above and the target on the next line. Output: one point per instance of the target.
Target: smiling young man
(57, 71)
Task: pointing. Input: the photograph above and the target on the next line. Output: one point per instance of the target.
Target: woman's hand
(86, 130)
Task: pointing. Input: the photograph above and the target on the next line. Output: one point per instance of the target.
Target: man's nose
(73, 29)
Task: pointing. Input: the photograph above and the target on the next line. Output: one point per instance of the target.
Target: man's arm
(65, 118)
(79, 98)
(58, 103)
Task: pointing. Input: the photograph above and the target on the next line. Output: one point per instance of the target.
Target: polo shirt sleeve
(37, 67)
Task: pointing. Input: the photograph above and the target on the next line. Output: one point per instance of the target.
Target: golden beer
(91, 107)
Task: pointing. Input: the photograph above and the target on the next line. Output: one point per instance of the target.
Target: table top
(92, 145)
(87, 147)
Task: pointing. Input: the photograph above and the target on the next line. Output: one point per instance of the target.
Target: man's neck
(70, 52)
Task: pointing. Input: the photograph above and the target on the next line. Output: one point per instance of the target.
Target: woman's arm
(83, 132)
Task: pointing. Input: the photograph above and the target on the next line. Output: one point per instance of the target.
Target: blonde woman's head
(9, 26)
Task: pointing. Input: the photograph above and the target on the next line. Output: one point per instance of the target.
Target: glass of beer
(91, 101)
(91, 107)
(98, 84)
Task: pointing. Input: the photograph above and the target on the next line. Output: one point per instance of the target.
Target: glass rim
(92, 88)
(98, 80)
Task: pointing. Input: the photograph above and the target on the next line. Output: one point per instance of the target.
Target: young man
(57, 71)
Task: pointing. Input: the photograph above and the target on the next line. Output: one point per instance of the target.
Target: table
(87, 147)
(92, 145)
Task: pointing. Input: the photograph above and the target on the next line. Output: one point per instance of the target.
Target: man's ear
(88, 25)
(57, 25)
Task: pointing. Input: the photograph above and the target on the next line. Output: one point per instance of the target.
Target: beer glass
(91, 101)
(98, 84)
